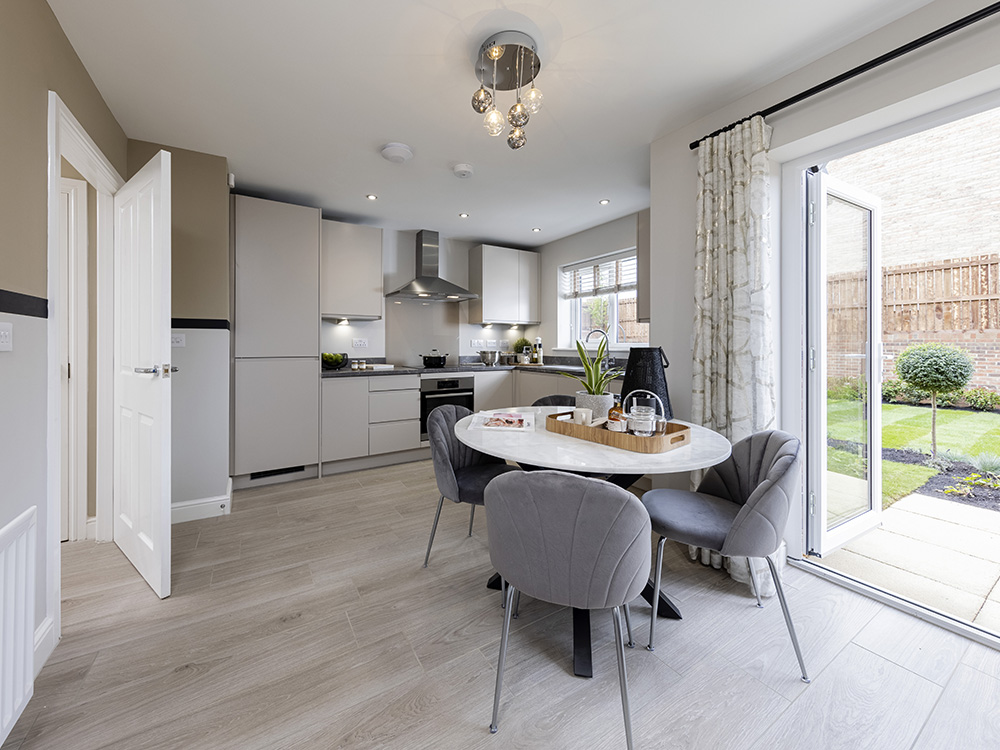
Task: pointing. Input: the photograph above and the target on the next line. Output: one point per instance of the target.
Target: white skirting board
(17, 617)
(205, 507)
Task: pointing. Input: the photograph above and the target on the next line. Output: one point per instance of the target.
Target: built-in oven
(439, 389)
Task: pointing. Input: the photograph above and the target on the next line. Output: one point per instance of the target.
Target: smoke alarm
(397, 153)
(462, 170)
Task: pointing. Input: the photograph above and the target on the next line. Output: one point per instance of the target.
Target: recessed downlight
(604, 201)
(463, 215)
(372, 197)
(536, 229)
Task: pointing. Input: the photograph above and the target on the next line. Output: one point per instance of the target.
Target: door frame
(73, 260)
(66, 138)
(821, 539)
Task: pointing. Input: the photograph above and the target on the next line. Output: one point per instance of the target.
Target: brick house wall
(940, 200)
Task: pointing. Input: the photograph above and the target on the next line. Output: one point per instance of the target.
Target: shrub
(902, 392)
(846, 389)
(982, 399)
(988, 463)
(936, 368)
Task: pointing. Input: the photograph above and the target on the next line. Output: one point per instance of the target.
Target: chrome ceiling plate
(520, 55)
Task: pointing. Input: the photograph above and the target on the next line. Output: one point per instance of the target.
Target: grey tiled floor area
(305, 620)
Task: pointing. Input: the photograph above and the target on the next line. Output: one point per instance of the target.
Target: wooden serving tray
(676, 436)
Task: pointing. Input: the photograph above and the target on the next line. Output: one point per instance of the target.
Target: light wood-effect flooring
(305, 620)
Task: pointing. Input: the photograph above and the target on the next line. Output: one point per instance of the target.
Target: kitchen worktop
(470, 368)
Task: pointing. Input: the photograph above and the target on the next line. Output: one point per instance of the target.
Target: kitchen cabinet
(393, 413)
(494, 390)
(351, 271)
(345, 418)
(276, 420)
(507, 282)
(276, 252)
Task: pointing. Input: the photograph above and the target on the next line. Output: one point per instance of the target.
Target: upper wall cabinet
(276, 250)
(351, 264)
(507, 282)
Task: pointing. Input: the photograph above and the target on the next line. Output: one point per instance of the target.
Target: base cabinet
(530, 386)
(345, 418)
(494, 390)
(276, 417)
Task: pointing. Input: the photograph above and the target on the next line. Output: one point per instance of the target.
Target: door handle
(147, 370)
(175, 369)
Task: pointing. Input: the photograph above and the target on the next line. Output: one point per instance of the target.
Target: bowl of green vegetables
(334, 361)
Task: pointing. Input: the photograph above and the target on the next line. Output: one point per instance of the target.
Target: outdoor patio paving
(939, 553)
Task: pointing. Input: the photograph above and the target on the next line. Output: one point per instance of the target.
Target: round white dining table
(553, 450)
(557, 451)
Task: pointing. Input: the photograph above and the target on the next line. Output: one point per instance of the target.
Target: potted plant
(596, 397)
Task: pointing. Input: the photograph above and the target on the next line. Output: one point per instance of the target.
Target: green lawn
(968, 432)
(898, 480)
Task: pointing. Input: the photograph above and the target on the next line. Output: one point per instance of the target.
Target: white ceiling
(300, 95)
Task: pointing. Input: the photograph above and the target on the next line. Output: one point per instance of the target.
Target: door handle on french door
(147, 370)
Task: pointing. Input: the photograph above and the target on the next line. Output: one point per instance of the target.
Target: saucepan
(434, 359)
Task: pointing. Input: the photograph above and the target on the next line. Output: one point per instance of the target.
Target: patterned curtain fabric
(734, 369)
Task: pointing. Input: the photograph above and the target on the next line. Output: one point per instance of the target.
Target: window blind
(608, 274)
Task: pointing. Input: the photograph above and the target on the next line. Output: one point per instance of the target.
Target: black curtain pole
(944, 31)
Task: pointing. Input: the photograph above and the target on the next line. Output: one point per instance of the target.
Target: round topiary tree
(935, 368)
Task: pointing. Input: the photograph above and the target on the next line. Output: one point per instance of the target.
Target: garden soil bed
(981, 497)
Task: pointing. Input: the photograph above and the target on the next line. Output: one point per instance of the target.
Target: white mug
(583, 416)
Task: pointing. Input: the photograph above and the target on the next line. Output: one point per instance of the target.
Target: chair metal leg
(508, 606)
(517, 604)
(622, 677)
(434, 528)
(472, 516)
(503, 593)
(754, 582)
(628, 627)
(788, 618)
(656, 590)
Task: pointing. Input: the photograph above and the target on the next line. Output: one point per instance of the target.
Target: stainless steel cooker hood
(428, 286)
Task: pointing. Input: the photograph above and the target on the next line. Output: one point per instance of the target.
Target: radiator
(17, 617)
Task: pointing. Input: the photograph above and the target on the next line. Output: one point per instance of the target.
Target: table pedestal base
(583, 663)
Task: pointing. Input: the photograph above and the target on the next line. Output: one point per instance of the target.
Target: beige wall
(35, 56)
(200, 224)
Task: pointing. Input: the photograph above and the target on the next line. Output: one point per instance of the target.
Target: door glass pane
(847, 254)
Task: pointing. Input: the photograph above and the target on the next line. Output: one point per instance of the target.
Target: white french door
(142, 372)
(844, 364)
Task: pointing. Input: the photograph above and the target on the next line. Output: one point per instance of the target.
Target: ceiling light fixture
(372, 197)
(536, 229)
(463, 215)
(507, 61)
(604, 201)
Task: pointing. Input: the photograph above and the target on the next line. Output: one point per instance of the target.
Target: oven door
(430, 400)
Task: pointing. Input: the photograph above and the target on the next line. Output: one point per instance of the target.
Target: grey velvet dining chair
(572, 541)
(461, 472)
(740, 509)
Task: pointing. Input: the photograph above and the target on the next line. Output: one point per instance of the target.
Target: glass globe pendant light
(482, 100)
(533, 99)
(516, 138)
(509, 52)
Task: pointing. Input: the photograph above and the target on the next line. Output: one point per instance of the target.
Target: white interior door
(142, 372)
(845, 364)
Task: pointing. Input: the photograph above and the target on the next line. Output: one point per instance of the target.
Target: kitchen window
(600, 293)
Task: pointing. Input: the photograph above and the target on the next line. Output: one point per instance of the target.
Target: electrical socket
(178, 340)
(6, 337)
(477, 343)
(360, 343)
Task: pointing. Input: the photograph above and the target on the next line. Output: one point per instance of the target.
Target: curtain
(734, 369)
